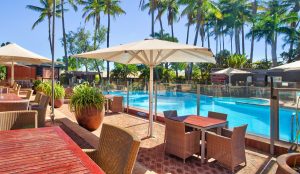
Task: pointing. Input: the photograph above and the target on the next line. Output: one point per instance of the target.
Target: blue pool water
(254, 112)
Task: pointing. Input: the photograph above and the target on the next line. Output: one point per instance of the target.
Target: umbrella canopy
(287, 67)
(15, 53)
(151, 52)
(230, 71)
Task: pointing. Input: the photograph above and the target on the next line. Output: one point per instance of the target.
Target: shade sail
(230, 71)
(151, 52)
(15, 53)
(287, 67)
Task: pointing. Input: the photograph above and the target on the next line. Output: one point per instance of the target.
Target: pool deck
(151, 157)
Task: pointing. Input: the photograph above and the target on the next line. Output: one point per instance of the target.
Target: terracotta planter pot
(57, 103)
(90, 118)
(286, 162)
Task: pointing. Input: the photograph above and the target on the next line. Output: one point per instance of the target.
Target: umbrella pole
(52, 98)
(151, 102)
(12, 78)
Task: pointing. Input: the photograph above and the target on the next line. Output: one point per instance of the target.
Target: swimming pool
(254, 112)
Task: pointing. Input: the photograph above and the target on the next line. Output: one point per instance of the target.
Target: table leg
(202, 146)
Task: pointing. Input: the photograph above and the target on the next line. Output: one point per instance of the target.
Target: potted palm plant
(88, 104)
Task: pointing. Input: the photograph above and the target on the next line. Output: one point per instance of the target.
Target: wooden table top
(10, 97)
(203, 122)
(42, 150)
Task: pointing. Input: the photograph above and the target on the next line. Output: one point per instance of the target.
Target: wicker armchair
(116, 105)
(41, 108)
(170, 113)
(117, 150)
(28, 94)
(228, 151)
(37, 99)
(3, 90)
(14, 87)
(217, 115)
(180, 143)
(14, 105)
(17, 90)
(18, 120)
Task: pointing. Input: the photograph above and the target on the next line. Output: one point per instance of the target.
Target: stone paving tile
(152, 156)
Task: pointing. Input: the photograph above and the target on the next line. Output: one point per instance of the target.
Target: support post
(151, 102)
(198, 99)
(127, 98)
(274, 124)
(155, 105)
(12, 78)
(53, 73)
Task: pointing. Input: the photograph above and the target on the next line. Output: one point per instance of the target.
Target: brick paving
(152, 157)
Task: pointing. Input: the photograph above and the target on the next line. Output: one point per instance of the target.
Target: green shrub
(86, 96)
(36, 83)
(46, 88)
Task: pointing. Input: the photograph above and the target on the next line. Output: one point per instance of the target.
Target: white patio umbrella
(229, 72)
(151, 52)
(15, 53)
(287, 67)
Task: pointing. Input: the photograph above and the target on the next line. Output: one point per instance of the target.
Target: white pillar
(151, 102)
(12, 78)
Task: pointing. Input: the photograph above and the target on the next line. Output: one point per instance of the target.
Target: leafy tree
(122, 71)
(238, 61)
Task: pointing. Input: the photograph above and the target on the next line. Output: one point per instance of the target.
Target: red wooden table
(203, 123)
(10, 97)
(108, 98)
(42, 150)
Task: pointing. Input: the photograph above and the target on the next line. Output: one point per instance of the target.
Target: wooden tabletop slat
(42, 150)
(10, 97)
(203, 122)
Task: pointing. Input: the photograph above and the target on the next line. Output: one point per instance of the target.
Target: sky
(17, 20)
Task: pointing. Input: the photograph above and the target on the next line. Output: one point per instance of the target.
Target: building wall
(22, 73)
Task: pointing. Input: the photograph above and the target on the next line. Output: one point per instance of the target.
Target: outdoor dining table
(203, 123)
(42, 150)
(9, 97)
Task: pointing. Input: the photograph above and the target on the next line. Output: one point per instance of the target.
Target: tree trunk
(252, 46)
(64, 35)
(243, 40)
(231, 43)
(107, 45)
(188, 34)
(208, 37)
(97, 25)
(161, 27)
(266, 50)
(49, 33)
(172, 31)
(152, 19)
(176, 72)
(273, 48)
(223, 39)
(202, 34)
(237, 40)
(217, 44)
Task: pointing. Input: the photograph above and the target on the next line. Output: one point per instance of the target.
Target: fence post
(127, 100)
(198, 99)
(274, 127)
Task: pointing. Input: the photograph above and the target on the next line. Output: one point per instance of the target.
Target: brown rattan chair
(219, 116)
(18, 120)
(180, 143)
(14, 105)
(170, 113)
(17, 90)
(41, 108)
(28, 94)
(37, 99)
(116, 105)
(14, 87)
(4, 90)
(117, 150)
(228, 151)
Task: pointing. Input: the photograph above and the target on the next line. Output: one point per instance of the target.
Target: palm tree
(161, 8)
(190, 13)
(45, 11)
(152, 5)
(62, 3)
(173, 11)
(92, 10)
(111, 8)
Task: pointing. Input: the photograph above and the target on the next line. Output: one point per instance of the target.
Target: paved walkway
(152, 156)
